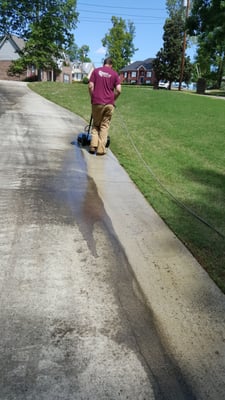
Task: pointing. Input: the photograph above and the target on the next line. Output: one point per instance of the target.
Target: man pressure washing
(104, 88)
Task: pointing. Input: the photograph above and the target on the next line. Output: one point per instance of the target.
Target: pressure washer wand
(89, 126)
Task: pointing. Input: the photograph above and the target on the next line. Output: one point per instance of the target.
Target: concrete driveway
(99, 300)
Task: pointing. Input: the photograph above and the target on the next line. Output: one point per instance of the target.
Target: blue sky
(95, 22)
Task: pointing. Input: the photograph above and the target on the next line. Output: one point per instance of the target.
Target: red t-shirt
(105, 80)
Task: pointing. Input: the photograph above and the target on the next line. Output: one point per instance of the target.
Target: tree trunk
(201, 86)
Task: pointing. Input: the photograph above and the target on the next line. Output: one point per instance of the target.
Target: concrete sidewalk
(189, 308)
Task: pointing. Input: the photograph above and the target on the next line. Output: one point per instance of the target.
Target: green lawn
(172, 145)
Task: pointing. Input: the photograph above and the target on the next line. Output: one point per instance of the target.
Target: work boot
(92, 149)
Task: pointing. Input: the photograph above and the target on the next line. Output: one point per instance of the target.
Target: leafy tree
(119, 42)
(17, 16)
(46, 25)
(167, 64)
(11, 19)
(207, 22)
(16, 68)
(76, 53)
(174, 7)
(83, 53)
(72, 52)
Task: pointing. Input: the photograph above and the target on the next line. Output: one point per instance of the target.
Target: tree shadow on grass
(211, 193)
(205, 236)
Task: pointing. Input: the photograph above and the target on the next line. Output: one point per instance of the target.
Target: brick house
(10, 46)
(139, 73)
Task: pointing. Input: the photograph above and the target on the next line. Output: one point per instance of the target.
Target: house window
(133, 74)
(66, 78)
(77, 76)
(125, 74)
(149, 74)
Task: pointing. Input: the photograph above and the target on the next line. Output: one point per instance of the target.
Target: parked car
(163, 84)
(192, 86)
(176, 85)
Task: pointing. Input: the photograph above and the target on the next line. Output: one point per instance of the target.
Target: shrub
(85, 80)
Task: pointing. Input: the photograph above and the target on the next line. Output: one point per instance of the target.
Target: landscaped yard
(172, 145)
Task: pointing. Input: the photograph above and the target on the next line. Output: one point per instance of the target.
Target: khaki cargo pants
(102, 115)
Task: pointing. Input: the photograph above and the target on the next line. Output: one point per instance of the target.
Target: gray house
(10, 45)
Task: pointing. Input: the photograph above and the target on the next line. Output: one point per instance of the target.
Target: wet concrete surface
(76, 319)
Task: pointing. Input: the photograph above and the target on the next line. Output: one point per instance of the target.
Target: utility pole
(186, 5)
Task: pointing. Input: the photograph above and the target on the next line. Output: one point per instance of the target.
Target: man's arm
(117, 91)
(91, 88)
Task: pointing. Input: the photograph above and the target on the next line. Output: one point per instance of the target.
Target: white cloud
(101, 50)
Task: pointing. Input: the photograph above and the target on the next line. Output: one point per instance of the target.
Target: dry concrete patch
(189, 308)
